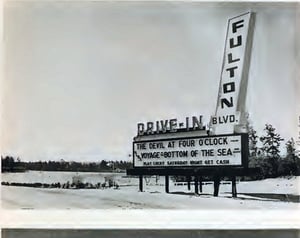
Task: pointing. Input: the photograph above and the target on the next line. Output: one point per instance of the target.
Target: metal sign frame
(244, 153)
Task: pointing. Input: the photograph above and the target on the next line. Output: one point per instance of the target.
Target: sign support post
(200, 184)
(141, 183)
(167, 184)
(196, 185)
(234, 192)
(216, 185)
(189, 183)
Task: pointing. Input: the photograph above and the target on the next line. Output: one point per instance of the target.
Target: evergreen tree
(253, 139)
(290, 147)
(290, 163)
(271, 145)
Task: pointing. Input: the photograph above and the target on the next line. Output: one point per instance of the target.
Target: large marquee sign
(201, 151)
(195, 149)
(234, 76)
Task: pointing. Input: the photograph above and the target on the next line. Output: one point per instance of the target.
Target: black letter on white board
(230, 60)
(228, 87)
(231, 71)
(226, 102)
(237, 25)
(232, 44)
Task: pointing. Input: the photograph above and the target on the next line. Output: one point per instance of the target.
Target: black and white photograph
(150, 105)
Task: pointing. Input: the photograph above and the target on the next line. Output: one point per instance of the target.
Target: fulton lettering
(232, 90)
(235, 41)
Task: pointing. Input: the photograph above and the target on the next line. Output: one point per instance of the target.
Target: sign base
(197, 173)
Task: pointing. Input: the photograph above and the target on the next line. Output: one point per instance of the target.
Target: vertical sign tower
(169, 151)
(230, 115)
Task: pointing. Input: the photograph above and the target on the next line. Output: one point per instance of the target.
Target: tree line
(268, 156)
(11, 164)
(265, 155)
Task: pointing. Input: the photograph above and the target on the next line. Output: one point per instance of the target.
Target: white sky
(79, 76)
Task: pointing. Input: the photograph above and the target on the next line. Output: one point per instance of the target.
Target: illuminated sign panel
(223, 150)
(234, 76)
